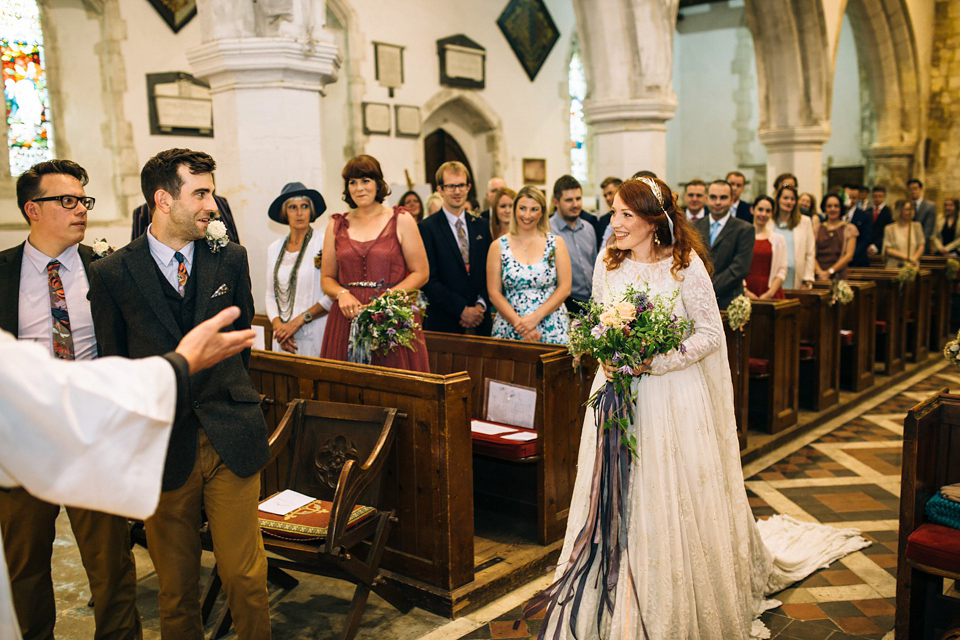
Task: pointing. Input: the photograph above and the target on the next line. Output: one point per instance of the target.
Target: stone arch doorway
(440, 147)
(473, 126)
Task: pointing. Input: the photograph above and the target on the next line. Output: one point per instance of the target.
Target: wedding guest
(799, 232)
(808, 206)
(568, 222)
(783, 180)
(945, 238)
(295, 302)
(903, 241)
(502, 211)
(882, 216)
(434, 203)
(769, 266)
(494, 185)
(366, 251)
(412, 203)
(528, 275)
(924, 211)
(836, 240)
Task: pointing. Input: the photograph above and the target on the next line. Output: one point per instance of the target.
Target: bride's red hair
(640, 199)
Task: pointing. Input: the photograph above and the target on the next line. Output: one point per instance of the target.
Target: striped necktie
(62, 336)
(181, 272)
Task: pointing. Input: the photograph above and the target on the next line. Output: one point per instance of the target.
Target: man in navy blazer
(145, 297)
(456, 245)
(740, 208)
(732, 246)
(862, 219)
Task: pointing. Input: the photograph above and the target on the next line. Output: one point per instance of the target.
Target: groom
(145, 298)
(730, 240)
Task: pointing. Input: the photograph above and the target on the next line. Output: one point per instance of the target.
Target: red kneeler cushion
(936, 546)
(846, 336)
(309, 522)
(759, 366)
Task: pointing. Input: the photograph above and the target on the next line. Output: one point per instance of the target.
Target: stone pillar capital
(878, 151)
(266, 63)
(629, 114)
(800, 138)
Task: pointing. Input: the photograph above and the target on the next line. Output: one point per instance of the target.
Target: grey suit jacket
(926, 215)
(133, 319)
(732, 255)
(10, 263)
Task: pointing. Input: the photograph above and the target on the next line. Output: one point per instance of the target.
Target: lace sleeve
(599, 290)
(700, 302)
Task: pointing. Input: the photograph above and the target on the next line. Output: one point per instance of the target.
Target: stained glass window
(578, 127)
(27, 103)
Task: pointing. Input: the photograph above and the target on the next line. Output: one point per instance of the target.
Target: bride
(695, 564)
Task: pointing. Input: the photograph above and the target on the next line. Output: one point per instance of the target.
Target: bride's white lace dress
(700, 565)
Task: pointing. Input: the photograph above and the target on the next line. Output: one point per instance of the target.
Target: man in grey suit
(145, 298)
(730, 240)
(925, 212)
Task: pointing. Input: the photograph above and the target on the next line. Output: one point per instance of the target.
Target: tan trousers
(29, 529)
(173, 539)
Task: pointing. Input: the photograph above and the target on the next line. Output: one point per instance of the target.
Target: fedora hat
(296, 190)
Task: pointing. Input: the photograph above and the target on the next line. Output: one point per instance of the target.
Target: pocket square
(221, 290)
(479, 237)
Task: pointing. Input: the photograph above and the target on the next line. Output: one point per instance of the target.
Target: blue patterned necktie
(181, 272)
(62, 336)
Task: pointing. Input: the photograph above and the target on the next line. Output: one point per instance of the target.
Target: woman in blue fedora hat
(296, 305)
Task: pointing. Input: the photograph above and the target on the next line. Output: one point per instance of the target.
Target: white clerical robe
(91, 434)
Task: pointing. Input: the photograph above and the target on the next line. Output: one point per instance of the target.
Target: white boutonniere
(101, 249)
(216, 235)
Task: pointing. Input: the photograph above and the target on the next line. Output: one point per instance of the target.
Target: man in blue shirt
(579, 236)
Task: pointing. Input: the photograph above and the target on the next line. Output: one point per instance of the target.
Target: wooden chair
(927, 552)
(337, 453)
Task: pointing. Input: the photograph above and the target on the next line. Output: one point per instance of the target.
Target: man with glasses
(456, 246)
(43, 299)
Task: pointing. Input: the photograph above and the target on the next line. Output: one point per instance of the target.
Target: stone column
(797, 150)
(627, 50)
(890, 167)
(267, 82)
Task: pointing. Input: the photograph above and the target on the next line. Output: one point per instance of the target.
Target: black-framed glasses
(70, 202)
(455, 187)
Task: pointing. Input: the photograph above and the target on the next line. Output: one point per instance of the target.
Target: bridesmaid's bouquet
(386, 323)
(626, 335)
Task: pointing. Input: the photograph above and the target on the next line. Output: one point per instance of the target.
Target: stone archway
(474, 125)
(892, 113)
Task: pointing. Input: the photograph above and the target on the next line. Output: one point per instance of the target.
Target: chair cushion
(759, 367)
(881, 326)
(309, 522)
(806, 353)
(846, 336)
(936, 546)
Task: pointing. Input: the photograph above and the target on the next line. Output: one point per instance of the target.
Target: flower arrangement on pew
(953, 266)
(626, 335)
(841, 292)
(387, 323)
(952, 351)
(907, 273)
(738, 312)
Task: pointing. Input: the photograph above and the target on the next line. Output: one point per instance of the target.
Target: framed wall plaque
(462, 62)
(408, 121)
(530, 31)
(388, 62)
(376, 118)
(176, 13)
(534, 171)
(179, 105)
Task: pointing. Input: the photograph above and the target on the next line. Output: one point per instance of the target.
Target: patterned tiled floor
(846, 475)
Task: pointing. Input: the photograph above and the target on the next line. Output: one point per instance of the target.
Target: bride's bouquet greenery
(626, 335)
(386, 323)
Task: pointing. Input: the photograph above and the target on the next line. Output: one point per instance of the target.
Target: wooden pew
(931, 459)
(774, 364)
(858, 347)
(819, 381)
(738, 355)
(891, 340)
(428, 479)
(562, 391)
(919, 311)
(941, 290)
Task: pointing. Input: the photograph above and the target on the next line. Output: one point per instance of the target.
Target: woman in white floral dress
(529, 275)
(696, 566)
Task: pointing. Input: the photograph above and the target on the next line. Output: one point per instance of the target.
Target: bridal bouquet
(626, 335)
(384, 324)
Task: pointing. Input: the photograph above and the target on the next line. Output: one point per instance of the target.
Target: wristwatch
(307, 317)
(831, 271)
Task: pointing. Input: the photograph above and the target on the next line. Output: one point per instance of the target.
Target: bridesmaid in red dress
(769, 266)
(367, 251)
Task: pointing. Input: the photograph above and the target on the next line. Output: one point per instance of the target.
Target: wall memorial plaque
(530, 31)
(376, 118)
(408, 121)
(176, 13)
(462, 62)
(179, 105)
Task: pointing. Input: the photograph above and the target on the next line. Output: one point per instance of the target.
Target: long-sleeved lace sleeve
(700, 302)
(599, 283)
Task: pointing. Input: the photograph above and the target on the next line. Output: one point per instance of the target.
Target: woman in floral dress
(529, 276)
